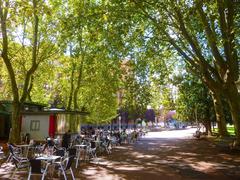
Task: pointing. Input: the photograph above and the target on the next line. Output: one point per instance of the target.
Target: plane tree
(27, 39)
(206, 36)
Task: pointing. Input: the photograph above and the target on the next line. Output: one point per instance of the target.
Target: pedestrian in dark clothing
(66, 139)
(27, 138)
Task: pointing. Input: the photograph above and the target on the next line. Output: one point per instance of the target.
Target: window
(35, 125)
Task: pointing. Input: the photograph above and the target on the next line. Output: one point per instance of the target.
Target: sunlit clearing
(172, 134)
(146, 156)
(204, 166)
(99, 173)
(187, 154)
(140, 155)
(130, 168)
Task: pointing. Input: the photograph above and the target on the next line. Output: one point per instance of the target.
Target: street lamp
(119, 122)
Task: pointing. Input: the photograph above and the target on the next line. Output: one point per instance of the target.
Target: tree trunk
(14, 136)
(71, 88)
(69, 105)
(207, 125)
(218, 107)
(234, 104)
(75, 95)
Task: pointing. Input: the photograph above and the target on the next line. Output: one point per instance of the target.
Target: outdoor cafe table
(79, 147)
(49, 159)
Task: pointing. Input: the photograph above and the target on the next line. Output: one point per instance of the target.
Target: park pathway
(161, 155)
(167, 155)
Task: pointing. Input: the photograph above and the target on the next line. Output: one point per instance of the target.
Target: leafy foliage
(194, 103)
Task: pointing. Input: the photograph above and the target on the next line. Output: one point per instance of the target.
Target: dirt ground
(159, 155)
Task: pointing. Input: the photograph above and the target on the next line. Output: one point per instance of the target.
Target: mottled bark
(220, 118)
(234, 104)
(79, 80)
(14, 136)
(14, 133)
(207, 125)
(70, 98)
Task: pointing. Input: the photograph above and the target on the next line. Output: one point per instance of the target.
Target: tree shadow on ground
(158, 158)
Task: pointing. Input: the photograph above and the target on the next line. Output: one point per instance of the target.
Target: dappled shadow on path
(160, 158)
(167, 159)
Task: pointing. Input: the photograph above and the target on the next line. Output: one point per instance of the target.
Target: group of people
(126, 135)
(96, 134)
(51, 143)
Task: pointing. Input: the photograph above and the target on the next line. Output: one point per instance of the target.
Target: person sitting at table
(48, 144)
(66, 139)
(118, 137)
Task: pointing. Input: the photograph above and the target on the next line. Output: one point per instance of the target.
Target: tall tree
(135, 89)
(89, 71)
(194, 101)
(26, 17)
(206, 40)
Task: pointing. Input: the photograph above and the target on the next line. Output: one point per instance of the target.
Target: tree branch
(34, 54)
(221, 65)
(195, 46)
(5, 54)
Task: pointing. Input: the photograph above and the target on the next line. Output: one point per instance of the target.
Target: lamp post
(119, 122)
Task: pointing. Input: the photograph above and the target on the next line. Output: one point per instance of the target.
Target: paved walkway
(161, 155)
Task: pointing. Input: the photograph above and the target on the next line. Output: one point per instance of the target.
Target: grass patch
(230, 130)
